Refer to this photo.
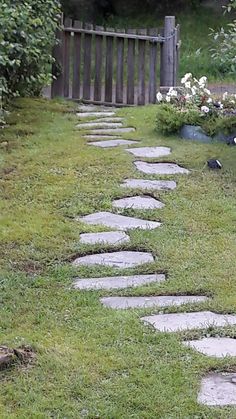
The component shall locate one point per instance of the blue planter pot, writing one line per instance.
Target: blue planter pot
(196, 133)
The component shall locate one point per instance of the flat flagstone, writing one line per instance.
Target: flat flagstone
(120, 260)
(184, 321)
(217, 347)
(119, 222)
(111, 143)
(117, 282)
(218, 389)
(110, 237)
(150, 151)
(91, 125)
(94, 114)
(113, 131)
(149, 185)
(138, 202)
(101, 137)
(94, 108)
(123, 303)
(160, 168)
(110, 119)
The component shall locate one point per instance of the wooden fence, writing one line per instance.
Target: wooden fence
(120, 67)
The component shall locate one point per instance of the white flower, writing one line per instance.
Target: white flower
(159, 97)
(225, 95)
(186, 78)
(207, 91)
(187, 85)
(221, 106)
(202, 81)
(187, 97)
(193, 90)
(209, 100)
(205, 109)
(168, 98)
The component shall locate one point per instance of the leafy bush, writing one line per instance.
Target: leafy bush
(170, 119)
(27, 34)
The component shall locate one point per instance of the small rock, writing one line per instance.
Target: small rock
(214, 164)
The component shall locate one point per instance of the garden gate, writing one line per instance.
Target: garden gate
(115, 67)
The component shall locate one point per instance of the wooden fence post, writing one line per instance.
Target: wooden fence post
(57, 67)
(169, 53)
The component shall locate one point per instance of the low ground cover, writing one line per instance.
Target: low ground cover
(92, 362)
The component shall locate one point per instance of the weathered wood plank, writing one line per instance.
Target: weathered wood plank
(169, 52)
(87, 63)
(66, 59)
(109, 67)
(98, 65)
(120, 69)
(76, 61)
(57, 67)
(131, 68)
(115, 35)
(152, 67)
(141, 68)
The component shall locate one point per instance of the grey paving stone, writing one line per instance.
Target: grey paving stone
(119, 222)
(160, 168)
(120, 260)
(94, 114)
(103, 125)
(149, 185)
(101, 137)
(216, 347)
(110, 237)
(123, 303)
(111, 143)
(138, 202)
(94, 108)
(110, 119)
(150, 151)
(184, 321)
(113, 131)
(218, 389)
(117, 282)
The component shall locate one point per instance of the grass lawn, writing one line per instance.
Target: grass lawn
(92, 362)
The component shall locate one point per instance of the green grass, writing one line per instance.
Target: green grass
(195, 55)
(92, 362)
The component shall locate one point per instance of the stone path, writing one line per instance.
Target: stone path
(105, 129)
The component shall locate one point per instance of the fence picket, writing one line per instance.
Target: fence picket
(152, 67)
(109, 67)
(77, 61)
(131, 68)
(66, 59)
(141, 68)
(87, 62)
(120, 68)
(98, 65)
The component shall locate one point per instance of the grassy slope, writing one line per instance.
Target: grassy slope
(196, 42)
(92, 362)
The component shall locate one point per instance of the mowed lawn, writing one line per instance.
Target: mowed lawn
(92, 362)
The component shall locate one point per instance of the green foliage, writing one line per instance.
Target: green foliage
(27, 33)
(222, 124)
(170, 119)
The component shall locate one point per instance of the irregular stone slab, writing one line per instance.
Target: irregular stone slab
(111, 119)
(117, 282)
(101, 137)
(113, 131)
(119, 260)
(91, 125)
(160, 168)
(138, 202)
(149, 185)
(94, 114)
(184, 321)
(111, 143)
(119, 222)
(110, 237)
(218, 389)
(123, 303)
(217, 347)
(94, 108)
(150, 151)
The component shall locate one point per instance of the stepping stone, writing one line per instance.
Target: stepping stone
(91, 125)
(94, 108)
(119, 260)
(217, 347)
(149, 185)
(94, 114)
(185, 321)
(117, 282)
(113, 131)
(110, 237)
(218, 389)
(111, 143)
(150, 151)
(119, 222)
(101, 137)
(138, 202)
(111, 119)
(160, 168)
(123, 303)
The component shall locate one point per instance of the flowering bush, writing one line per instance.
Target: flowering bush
(193, 104)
